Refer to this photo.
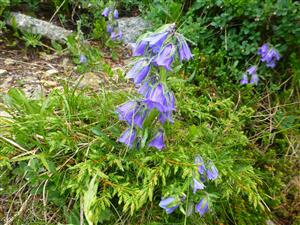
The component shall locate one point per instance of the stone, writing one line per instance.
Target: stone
(51, 72)
(3, 72)
(132, 28)
(40, 27)
(9, 61)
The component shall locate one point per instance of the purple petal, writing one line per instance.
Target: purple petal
(105, 12)
(244, 80)
(212, 173)
(197, 185)
(156, 41)
(252, 70)
(140, 48)
(254, 79)
(82, 59)
(201, 167)
(139, 71)
(158, 141)
(157, 99)
(165, 57)
(116, 14)
(263, 50)
(202, 207)
(183, 50)
(128, 137)
(167, 201)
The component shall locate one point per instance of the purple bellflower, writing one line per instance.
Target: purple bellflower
(133, 113)
(156, 41)
(212, 172)
(183, 50)
(252, 70)
(109, 28)
(158, 141)
(202, 207)
(128, 137)
(254, 79)
(116, 14)
(105, 12)
(201, 167)
(263, 50)
(166, 56)
(82, 59)
(164, 203)
(244, 79)
(139, 71)
(197, 185)
(157, 99)
(140, 48)
(268, 55)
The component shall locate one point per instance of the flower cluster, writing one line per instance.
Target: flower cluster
(204, 174)
(112, 25)
(269, 56)
(154, 56)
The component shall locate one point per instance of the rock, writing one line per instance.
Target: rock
(270, 222)
(132, 28)
(36, 26)
(3, 72)
(9, 61)
(51, 72)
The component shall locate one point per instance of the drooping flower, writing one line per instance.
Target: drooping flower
(109, 28)
(164, 203)
(158, 141)
(201, 167)
(139, 71)
(212, 172)
(156, 41)
(128, 137)
(197, 185)
(269, 55)
(166, 116)
(183, 49)
(120, 35)
(157, 99)
(140, 48)
(82, 59)
(106, 12)
(244, 79)
(202, 207)
(133, 113)
(254, 79)
(116, 14)
(252, 70)
(165, 57)
(263, 50)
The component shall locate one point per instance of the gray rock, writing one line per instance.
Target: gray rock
(132, 28)
(3, 72)
(36, 26)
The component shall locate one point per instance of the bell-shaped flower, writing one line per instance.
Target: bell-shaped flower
(116, 14)
(128, 137)
(106, 12)
(140, 48)
(157, 99)
(133, 113)
(166, 116)
(197, 185)
(145, 89)
(109, 28)
(202, 206)
(139, 71)
(165, 57)
(156, 41)
(183, 49)
(82, 59)
(244, 79)
(165, 204)
(263, 50)
(254, 79)
(212, 172)
(158, 141)
(200, 163)
(252, 70)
